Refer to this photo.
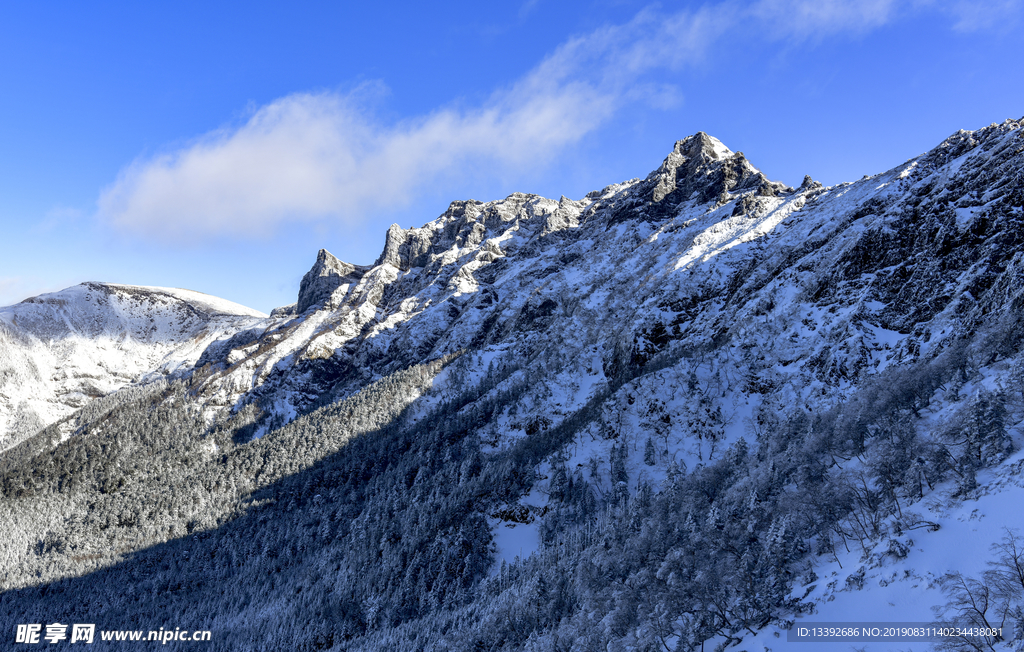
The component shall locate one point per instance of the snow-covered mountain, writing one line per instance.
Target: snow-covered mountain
(59, 351)
(798, 378)
(501, 273)
(703, 253)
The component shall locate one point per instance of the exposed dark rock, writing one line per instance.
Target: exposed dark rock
(327, 275)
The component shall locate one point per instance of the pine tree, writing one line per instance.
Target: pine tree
(986, 428)
(649, 452)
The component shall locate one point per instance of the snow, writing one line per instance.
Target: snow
(905, 590)
(206, 302)
(611, 283)
(721, 151)
(60, 350)
(513, 541)
(964, 216)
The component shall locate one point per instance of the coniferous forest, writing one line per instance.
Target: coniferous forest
(685, 399)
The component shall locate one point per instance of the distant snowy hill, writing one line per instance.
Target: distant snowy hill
(684, 409)
(60, 350)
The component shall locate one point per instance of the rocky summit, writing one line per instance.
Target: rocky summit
(688, 409)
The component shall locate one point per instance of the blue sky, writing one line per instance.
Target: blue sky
(218, 146)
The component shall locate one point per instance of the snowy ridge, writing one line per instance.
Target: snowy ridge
(59, 351)
(659, 252)
(204, 302)
(824, 286)
(667, 250)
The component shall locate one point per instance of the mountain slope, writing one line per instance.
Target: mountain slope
(59, 351)
(700, 247)
(641, 420)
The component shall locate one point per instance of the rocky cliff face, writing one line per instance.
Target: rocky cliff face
(326, 283)
(699, 168)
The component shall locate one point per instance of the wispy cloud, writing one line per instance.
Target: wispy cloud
(311, 156)
(976, 15)
(8, 289)
(527, 7)
(317, 156)
(59, 217)
(815, 19)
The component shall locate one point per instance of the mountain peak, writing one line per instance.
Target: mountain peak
(325, 257)
(701, 145)
(86, 296)
(327, 275)
(701, 169)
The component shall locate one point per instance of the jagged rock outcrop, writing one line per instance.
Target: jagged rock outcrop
(405, 249)
(684, 251)
(700, 169)
(692, 255)
(324, 279)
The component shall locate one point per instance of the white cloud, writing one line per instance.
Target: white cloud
(8, 289)
(527, 7)
(59, 217)
(319, 156)
(812, 19)
(314, 156)
(976, 15)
